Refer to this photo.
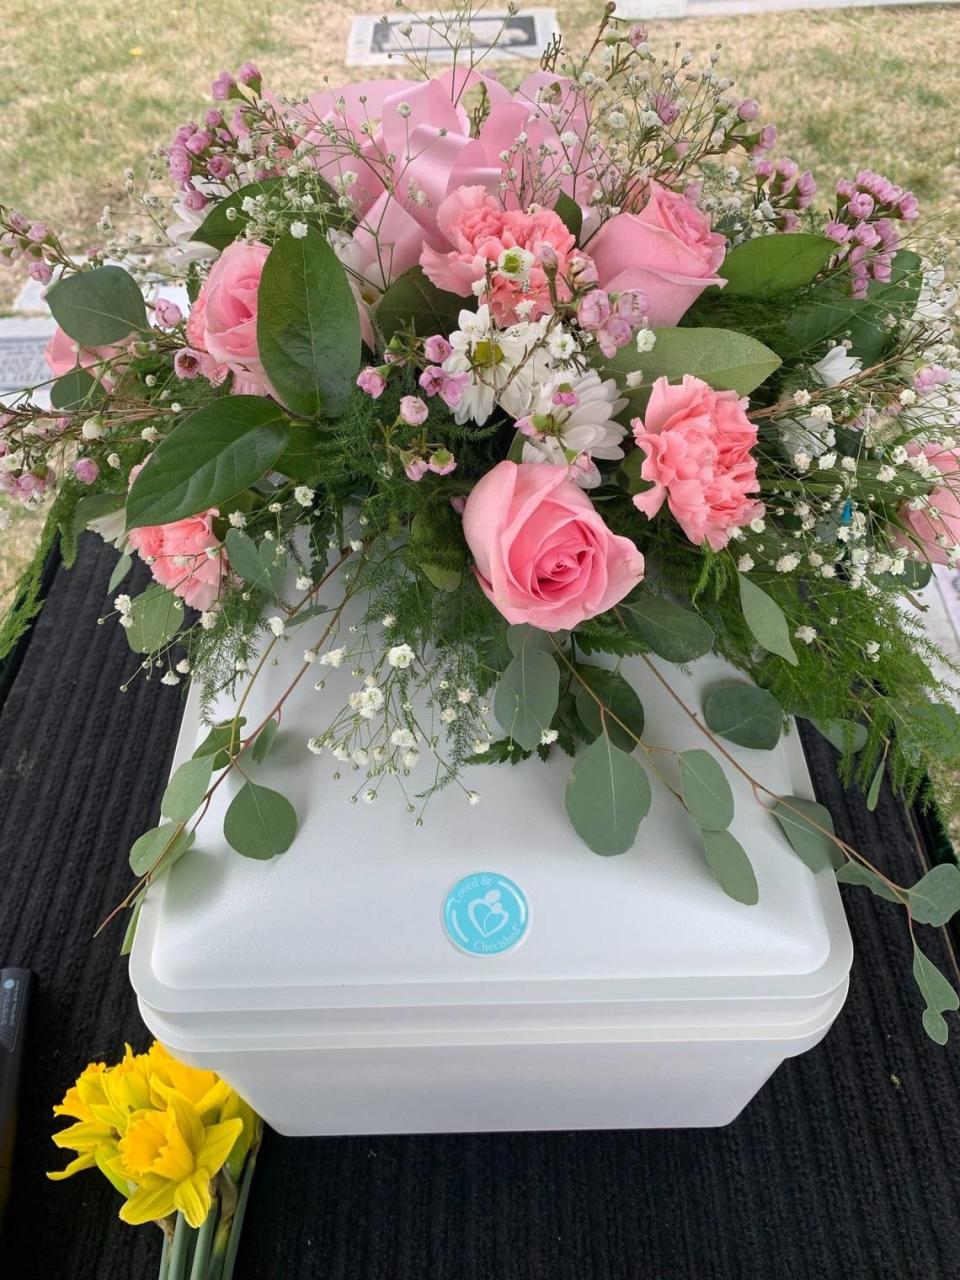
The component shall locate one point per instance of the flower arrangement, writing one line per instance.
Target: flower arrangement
(536, 377)
(177, 1143)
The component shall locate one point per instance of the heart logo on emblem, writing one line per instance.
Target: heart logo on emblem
(487, 914)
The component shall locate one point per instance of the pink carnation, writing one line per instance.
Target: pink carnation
(177, 554)
(481, 231)
(697, 443)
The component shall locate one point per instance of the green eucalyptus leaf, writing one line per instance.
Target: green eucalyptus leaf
(731, 867)
(207, 460)
(607, 797)
(705, 790)
(747, 715)
(521, 636)
(120, 571)
(938, 996)
(308, 325)
(677, 634)
(873, 794)
(723, 358)
(935, 898)
(222, 742)
(77, 389)
(766, 620)
(436, 546)
(527, 697)
(159, 848)
(796, 816)
(618, 697)
(126, 947)
(264, 741)
(262, 566)
(846, 735)
(414, 303)
(98, 308)
(770, 265)
(156, 616)
(94, 506)
(856, 873)
(227, 219)
(259, 822)
(186, 789)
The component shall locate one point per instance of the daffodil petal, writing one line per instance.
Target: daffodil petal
(81, 1162)
(111, 1166)
(192, 1198)
(84, 1136)
(148, 1204)
(218, 1144)
(188, 1122)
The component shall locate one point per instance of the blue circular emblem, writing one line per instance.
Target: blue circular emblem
(485, 914)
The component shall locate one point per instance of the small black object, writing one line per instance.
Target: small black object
(16, 989)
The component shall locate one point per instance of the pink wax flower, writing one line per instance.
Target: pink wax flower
(413, 410)
(86, 470)
(930, 376)
(223, 321)
(186, 363)
(414, 467)
(371, 383)
(40, 271)
(432, 379)
(441, 462)
(936, 525)
(542, 553)
(177, 554)
(451, 393)
(179, 162)
(518, 249)
(698, 443)
(748, 109)
(667, 251)
(593, 310)
(168, 314)
(223, 87)
(437, 348)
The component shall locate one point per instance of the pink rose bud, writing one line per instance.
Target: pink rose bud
(167, 313)
(86, 470)
(748, 109)
(593, 310)
(413, 410)
(548, 257)
(436, 349)
(442, 462)
(414, 467)
(371, 383)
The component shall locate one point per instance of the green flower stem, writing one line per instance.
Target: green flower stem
(180, 1251)
(164, 1258)
(204, 1243)
(233, 1240)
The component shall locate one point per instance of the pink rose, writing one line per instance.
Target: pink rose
(63, 354)
(667, 251)
(513, 247)
(543, 554)
(697, 443)
(177, 554)
(936, 533)
(223, 320)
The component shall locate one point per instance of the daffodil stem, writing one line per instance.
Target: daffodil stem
(243, 1195)
(164, 1258)
(201, 1254)
(177, 1264)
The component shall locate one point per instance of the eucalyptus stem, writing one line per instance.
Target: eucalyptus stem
(201, 1255)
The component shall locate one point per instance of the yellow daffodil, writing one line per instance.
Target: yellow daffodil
(171, 1155)
(90, 1134)
(204, 1089)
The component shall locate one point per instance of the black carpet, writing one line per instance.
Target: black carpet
(844, 1168)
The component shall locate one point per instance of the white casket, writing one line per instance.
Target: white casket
(486, 971)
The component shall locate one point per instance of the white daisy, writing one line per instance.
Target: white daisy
(565, 433)
(505, 365)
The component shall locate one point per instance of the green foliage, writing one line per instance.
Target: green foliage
(227, 219)
(721, 357)
(527, 696)
(770, 265)
(207, 460)
(414, 304)
(259, 822)
(749, 716)
(732, 869)
(617, 698)
(804, 822)
(75, 391)
(607, 797)
(222, 742)
(156, 617)
(262, 567)
(939, 996)
(308, 325)
(159, 848)
(705, 790)
(569, 213)
(98, 307)
(766, 620)
(187, 787)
